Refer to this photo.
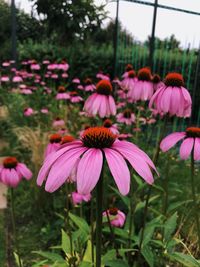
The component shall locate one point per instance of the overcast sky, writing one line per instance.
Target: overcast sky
(137, 19)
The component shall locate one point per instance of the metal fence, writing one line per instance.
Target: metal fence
(161, 59)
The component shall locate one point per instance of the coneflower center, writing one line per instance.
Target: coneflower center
(67, 139)
(107, 123)
(174, 79)
(113, 211)
(104, 87)
(129, 67)
(61, 89)
(74, 93)
(127, 113)
(10, 162)
(144, 74)
(55, 138)
(193, 132)
(156, 78)
(131, 74)
(88, 81)
(98, 137)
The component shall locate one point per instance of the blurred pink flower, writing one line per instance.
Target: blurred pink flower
(44, 110)
(5, 79)
(143, 88)
(117, 217)
(112, 127)
(190, 144)
(54, 144)
(28, 112)
(17, 79)
(101, 102)
(89, 86)
(58, 122)
(79, 198)
(86, 155)
(172, 98)
(127, 117)
(75, 98)
(12, 172)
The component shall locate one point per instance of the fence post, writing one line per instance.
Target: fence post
(116, 39)
(152, 39)
(13, 32)
(197, 72)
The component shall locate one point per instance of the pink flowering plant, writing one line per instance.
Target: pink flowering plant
(94, 180)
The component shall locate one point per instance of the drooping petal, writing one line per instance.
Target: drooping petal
(89, 170)
(52, 158)
(169, 141)
(186, 148)
(24, 171)
(138, 163)
(62, 168)
(197, 149)
(119, 170)
(112, 105)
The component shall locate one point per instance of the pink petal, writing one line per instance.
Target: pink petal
(53, 157)
(166, 98)
(119, 170)
(89, 170)
(169, 141)
(197, 149)
(62, 168)
(138, 163)
(186, 148)
(112, 105)
(24, 171)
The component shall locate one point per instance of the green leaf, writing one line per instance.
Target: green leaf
(80, 222)
(111, 254)
(88, 252)
(17, 259)
(141, 204)
(178, 204)
(170, 226)
(85, 264)
(65, 243)
(116, 263)
(51, 256)
(125, 199)
(148, 255)
(185, 260)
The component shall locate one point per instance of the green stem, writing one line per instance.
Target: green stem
(99, 209)
(166, 187)
(155, 161)
(92, 230)
(194, 197)
(14, 226)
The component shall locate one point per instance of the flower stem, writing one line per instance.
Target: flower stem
(155, 161)
(99, 209)
(14, 226)
(194, 197)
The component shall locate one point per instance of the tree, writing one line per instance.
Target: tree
(67, 20)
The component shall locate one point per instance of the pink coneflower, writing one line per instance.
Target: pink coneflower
(12, 172)
(157, 83)
(112, 127)
(5, 79)
(26, 91)
(127, 117)
(117, 218)
(190, 144)
(143, 88)
(147, 120)
(127, 69)
(67, 139)
(6, 64)
(35, 66)
(79, 198)
(86, 155)
(45, 62)
(62, 131)
(58, 122)
(28, 112)
(54, 76)
(64, 75)
(101, 102)
(44, 110)
(62, 95)
(63, 66)
(172, 98)
(17, 79)
(102, 76)
(128, 82)
(75, 98)
(76, 80)
(89, 86)
(124, 136)
(54, 144)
